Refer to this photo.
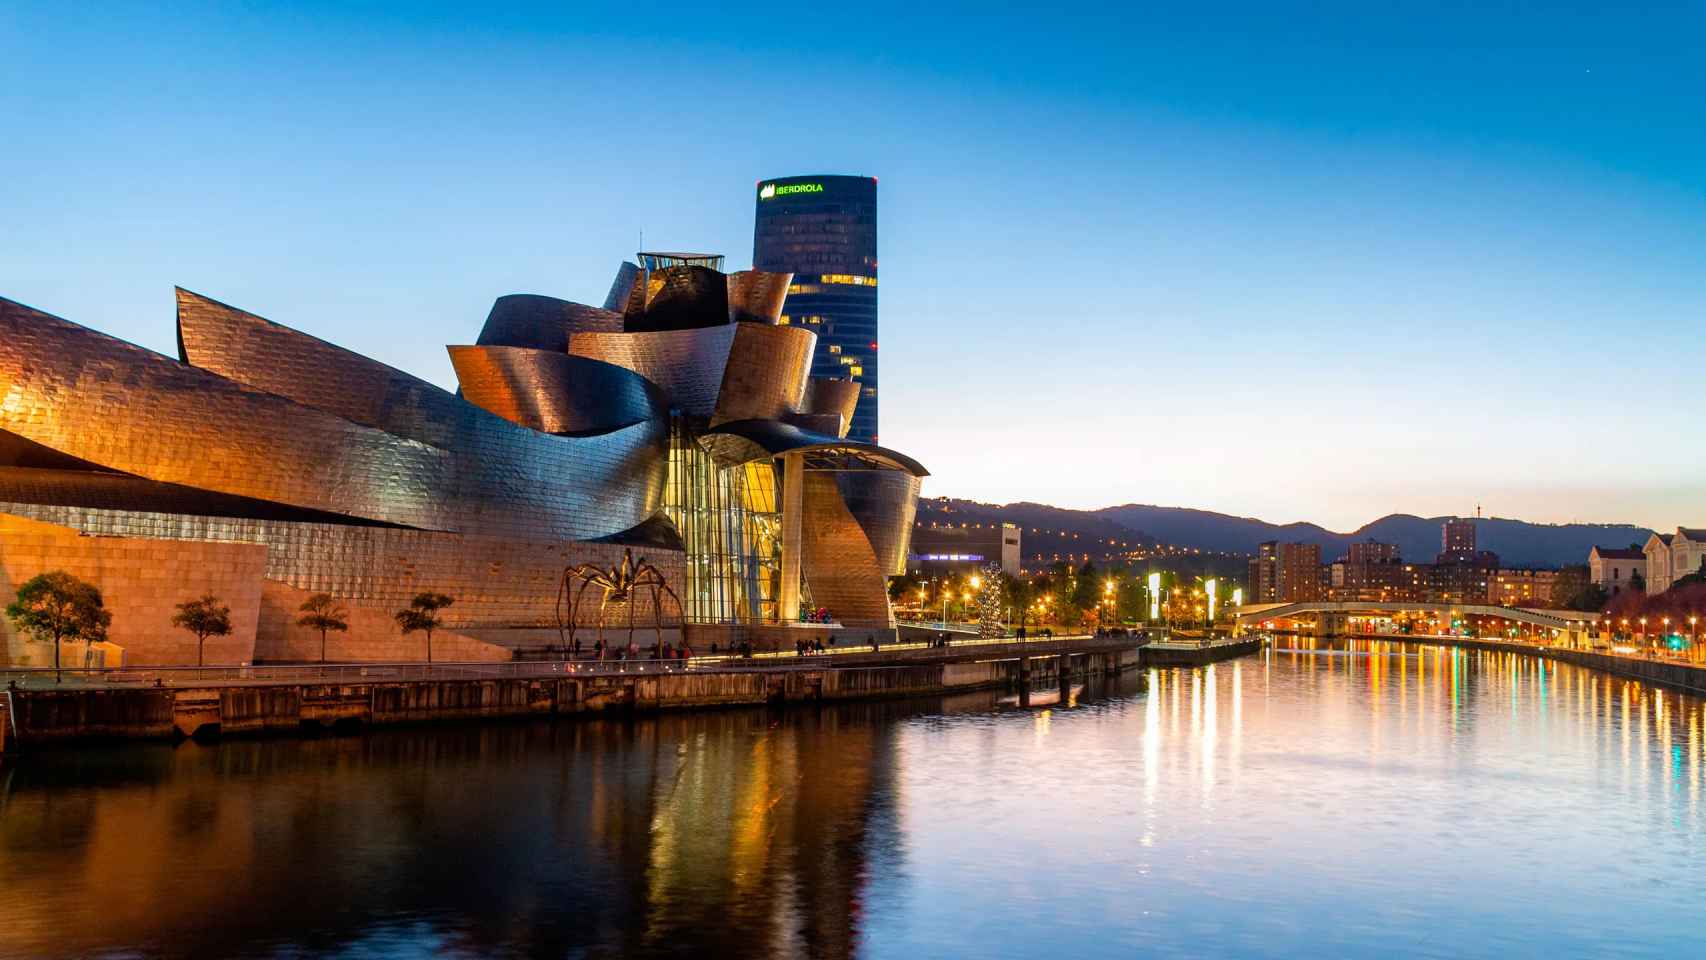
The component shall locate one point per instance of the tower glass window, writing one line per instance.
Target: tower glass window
(823, 229)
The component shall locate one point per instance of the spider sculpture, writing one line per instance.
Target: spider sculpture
(619, 584)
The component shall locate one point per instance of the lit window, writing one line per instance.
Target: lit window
(835, 348)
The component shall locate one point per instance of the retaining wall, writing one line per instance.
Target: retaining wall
(56, 716)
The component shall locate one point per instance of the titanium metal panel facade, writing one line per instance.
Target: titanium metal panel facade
(682, 298)
(885, 504)
(622, 288)
(765, 377)
(124, 408)
(838, 398)
(543, 323)
(823, 230)
(756, 296)
(555, 392)
(840, 568)
(686, 364)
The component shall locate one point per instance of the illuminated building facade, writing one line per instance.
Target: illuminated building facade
(1457, 540)
(823, 230)
(950, 548)
(1285, 572)
(679, 423)
(1614, 569)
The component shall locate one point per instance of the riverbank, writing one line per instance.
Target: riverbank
(1687, 677)
(277, 703)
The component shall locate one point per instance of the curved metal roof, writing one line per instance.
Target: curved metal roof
(742, 440)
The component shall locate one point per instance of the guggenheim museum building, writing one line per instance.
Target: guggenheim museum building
(675, 426)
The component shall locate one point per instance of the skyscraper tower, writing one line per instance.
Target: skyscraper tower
(823, 230)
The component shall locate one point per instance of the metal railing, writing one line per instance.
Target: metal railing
(1622, 649)
(172, 676)
(406, 671)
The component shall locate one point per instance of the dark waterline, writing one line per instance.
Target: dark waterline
(1352, 799)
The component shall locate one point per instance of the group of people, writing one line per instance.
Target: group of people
(602, 651)
(805, 648)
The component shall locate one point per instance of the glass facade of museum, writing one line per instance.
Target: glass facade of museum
(730, 520)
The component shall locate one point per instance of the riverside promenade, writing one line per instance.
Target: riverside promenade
(168, 702)
(1675, 673)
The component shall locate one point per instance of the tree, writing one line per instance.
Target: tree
(1589, 597)
(1637, 582)
(1086, 589)
(58, 607)
(205, 617)
(422, 614)
(320, 612)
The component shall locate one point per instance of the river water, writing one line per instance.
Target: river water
(1352, 799)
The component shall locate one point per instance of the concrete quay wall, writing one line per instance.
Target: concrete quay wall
(49, 716)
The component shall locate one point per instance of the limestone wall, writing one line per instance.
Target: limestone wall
(372, 634)
(141, 582)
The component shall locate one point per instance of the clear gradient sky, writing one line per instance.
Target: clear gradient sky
(1320, 264)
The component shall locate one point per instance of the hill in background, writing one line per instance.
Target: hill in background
(1118, 530)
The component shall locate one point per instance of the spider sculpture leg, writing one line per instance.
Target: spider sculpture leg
(574, 606)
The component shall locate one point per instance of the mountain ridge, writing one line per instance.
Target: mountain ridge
(1519, 543)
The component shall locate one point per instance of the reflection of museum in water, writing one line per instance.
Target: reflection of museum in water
(735, 831)
(677, 422)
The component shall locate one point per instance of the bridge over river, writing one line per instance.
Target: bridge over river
(1332, 616)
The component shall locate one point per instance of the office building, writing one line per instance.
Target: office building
(823, 230)
(1457, 540)
(949, 549)
(1285, 573)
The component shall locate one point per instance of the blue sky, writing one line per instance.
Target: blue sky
(1322, 263)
